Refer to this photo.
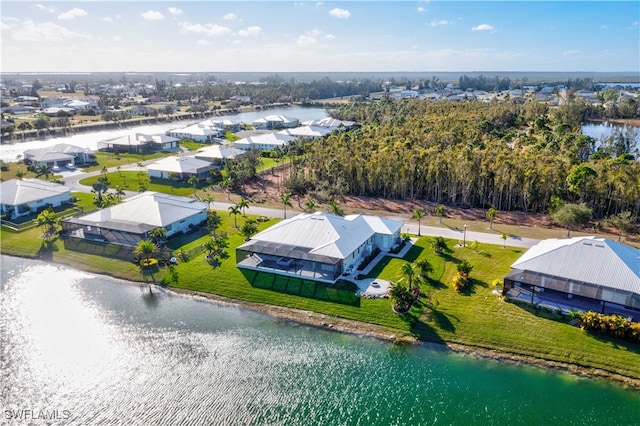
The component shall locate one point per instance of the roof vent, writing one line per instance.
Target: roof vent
(587, 243)
(600, 245)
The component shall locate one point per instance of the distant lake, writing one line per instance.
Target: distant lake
(106, 351)
(9, 152)
(600, 131)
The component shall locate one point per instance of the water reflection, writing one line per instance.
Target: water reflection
(110, 352)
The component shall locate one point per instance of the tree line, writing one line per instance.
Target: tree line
(500, 155)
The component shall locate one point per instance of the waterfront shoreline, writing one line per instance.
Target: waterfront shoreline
(343, 325)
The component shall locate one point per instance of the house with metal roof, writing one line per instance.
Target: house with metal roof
(307, 132)
(264, 142)
(271, 122)
(319, 246)
(130, 221)
(585, 273)
(181, 168)
(60, 155)
(140, 143)
(26, 196)
(216, 154)
(197, 132)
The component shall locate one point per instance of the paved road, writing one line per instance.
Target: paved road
(72, 179)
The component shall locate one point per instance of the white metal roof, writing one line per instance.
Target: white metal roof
(329, 122)
(587, 259)
(307, 131)
(323, 233)
(148, 208)
(270, 139)
(180, 165)
(15, 192)
(219, 152)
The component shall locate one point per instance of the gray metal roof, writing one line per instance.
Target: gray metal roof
(16, 192)
(597, 261)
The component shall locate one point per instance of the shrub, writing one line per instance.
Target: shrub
(460, 281)
(149, 263)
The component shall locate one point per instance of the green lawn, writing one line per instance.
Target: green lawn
(477, 318)
(110, 159)
(131, 181)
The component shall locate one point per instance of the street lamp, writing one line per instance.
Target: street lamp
(464, 237)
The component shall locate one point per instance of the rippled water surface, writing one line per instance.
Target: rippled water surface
(102, 351)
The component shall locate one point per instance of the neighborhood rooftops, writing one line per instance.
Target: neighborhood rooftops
(15, 192)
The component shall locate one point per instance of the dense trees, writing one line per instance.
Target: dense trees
(495, 155)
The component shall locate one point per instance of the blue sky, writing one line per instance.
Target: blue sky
(286, 36)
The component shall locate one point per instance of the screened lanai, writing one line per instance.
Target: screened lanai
(287, 259)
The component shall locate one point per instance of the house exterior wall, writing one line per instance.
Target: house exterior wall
(33, 206)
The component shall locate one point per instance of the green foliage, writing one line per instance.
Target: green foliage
(571, 215)
(613, 325)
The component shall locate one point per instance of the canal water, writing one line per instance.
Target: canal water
(88, 349)
(9, 152)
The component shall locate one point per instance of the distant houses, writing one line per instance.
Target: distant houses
(140, 143)
(129, 222)
(180, 168)
(273, 122)
(27, 196)
(217, 154)
(264, 142)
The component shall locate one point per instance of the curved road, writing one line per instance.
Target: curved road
(72, 180)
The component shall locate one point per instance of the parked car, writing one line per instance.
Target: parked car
(71, 166)
(55, 169)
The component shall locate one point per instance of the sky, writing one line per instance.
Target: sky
(311, 36)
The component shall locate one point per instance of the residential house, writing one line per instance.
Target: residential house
(585, 273)
(271, 122)
(320, 246)
(217, 154)
(140, 143)
(264, 142)
(331, 123)
(26, 196)
(307, 132)
(197, 132)
(129, 222)
(180, 168)
(60, 155)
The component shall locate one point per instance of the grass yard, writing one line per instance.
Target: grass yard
(110, 159)
(131, 181)
(477, 318)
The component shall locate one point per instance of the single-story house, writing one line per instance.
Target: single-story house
(197, 132)
(140, 143)
(216, 154)
(307, 132)
(179, 168)
(130, 221)
(60, 155)
(271, 122)
(226, 125)
(26, 196)
(330, 122)
(585, 273)
(319, 246)
(264, 142)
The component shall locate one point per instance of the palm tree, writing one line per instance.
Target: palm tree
(43, 169)
(438, 244)
(145, 248)
(418, 215)
(227, 184)
(335, 208)
(504, 240)
(401, 297)
(491, 214)
(242, 205)
(119, 193)
(49, 221)
(286, 201)
(425, 267)
(235, 211)
(249, 228)
(157, 234)
(310, 205)
(193, 180)
(440, 211)
(409, 272)
(213, 221)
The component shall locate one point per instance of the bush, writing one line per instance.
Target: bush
(612, 325)
(149, 263)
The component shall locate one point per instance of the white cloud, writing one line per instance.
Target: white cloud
(571, 52)
(202, 42)
(72, 14)
(420, 9)
(230, 17)
(43, 8)
(440, 23)
(305, 40)
(4, 26)
(116, 38)
(152, 15)
(175, 11)
(314, 32)
(483, 27)
(330, 37)
(46, 31)
(340, 13)
(635, 24)
(251, 31)
(207, 29)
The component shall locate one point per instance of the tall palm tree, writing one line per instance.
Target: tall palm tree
(242, 205)
(491, 214)
(286, 201)
(213, 221)
(157, 234)
(440, 211)
(335, 208)
(418, 215)
(235, 211)
(193, 180)
(227, 184)
(49, 221)
(409, 272)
